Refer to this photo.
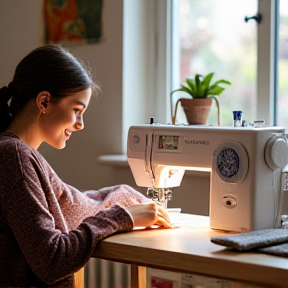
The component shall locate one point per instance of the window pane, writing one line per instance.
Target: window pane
(215, 38)
(282, 105)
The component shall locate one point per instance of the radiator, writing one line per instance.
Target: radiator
(106, 274)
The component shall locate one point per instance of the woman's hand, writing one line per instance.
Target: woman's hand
(148, 214)
(143, 210)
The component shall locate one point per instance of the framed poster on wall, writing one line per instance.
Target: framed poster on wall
(72, 21)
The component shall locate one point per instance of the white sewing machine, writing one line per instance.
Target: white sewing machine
(246, 164)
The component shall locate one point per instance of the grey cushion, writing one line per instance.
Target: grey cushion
(253, 239)
(278, 250)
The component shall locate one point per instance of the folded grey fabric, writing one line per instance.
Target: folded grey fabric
(253, 239)
(278, 250)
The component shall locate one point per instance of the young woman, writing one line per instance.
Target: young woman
(49, 229)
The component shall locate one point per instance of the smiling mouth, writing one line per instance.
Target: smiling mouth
(67, 133)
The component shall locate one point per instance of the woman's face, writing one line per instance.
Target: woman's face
(63, 118)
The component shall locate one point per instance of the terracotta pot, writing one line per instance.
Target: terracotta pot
(196, 110)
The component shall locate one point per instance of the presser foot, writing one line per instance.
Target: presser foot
(161, 195)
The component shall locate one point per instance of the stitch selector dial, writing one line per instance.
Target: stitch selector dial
(230, 161)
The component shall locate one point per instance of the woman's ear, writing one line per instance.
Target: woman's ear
(42, 101)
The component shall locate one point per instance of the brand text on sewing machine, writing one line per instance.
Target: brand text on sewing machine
(197, 142)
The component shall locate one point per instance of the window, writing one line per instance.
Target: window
(212, 36)
(282, 101)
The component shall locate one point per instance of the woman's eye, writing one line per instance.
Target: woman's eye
(76, 110)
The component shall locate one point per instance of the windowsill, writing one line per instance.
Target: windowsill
(114, 160)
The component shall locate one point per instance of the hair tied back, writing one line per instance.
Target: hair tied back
(6, 93)
(5, 116)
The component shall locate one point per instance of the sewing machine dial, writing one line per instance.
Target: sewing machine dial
(230, 161)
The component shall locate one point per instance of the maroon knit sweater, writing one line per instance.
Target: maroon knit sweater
(48, 229)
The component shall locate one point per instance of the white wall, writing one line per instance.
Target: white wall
(21, 30)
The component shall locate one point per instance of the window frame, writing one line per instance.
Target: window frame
(147, 73)
(267, 59)
(146, 63)
(267, 64)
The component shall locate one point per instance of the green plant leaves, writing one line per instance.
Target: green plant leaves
(191, 85)
(186, 89)
(200, 87)
(206, 83)
(198, 84)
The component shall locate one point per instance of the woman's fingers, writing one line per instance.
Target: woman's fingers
(164, 219)
(163, 223)
(161, 211)
(150, 214)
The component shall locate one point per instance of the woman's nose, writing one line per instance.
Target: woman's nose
(79, 125)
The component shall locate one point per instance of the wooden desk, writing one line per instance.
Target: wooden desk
(188, 250)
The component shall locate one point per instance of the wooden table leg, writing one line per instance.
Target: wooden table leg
(79, 278)
(138, 276)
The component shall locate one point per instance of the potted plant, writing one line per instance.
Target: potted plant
(201, 93)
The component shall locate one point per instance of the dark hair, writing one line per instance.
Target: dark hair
(49, 68)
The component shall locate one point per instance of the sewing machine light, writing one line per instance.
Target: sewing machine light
(199, 169)
(168, 176)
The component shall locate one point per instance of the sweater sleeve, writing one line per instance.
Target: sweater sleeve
(50, 253)
(122, 195)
